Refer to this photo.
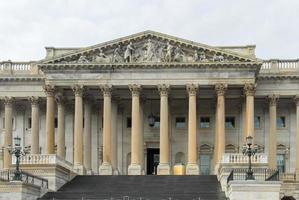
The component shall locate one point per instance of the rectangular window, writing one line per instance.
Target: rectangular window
(230, 122)
(281, 162)
(29, 123)
(257, 122)
(129, 122)
(281, 122)
(157, 122)
(180, 122)
(205, 122)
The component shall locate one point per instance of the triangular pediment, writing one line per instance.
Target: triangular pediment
(149, 47)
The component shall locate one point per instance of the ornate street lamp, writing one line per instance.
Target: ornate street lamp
(18, 152)
(249, 151)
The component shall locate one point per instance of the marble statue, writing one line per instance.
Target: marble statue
(178, 54)
(83, 59)
(128, 57)
(101, 57)
(217, 58)
(117, 55)
(169, 50)
(202, 57)
(195, 56)
(149, 50)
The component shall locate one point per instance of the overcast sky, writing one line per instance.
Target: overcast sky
(27, 26)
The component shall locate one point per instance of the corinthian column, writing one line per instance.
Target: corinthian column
(34, 125)
(78, 130)
(8, 131)
(192, 166)
(106, 168)
(61, 126)
(296, 99)
(135, 166)
(163, 167)
(220, 89)
(249, 90)
(272, 132)
(50, 134)
(87, 135)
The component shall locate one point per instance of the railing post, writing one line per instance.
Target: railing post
(7, 67)
(274, 66)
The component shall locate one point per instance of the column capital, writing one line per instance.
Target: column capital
(34, 100)
(249, 89)
(49, 90)
(8, 100)
(220, 89)
(135, 89)
(78, 90)
(296, 99)
(106, 90)
(163, 89)
(273, 99)
(192, 89)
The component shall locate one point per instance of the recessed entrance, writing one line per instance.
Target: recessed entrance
(153, 157)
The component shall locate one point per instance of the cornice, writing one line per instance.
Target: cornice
(21, 78)
(278, 77)
(149, 65)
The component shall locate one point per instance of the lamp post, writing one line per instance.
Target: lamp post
(18, 152)
(249, 151)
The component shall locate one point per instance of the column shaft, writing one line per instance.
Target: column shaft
(34, 125)
(164, 168)
(272, 158)
(135, 167)
(78, 129)
(249, 90)
(50, 134)
(296, 99)
(106, 168)
(220, 124)
(87, 136)
(114, 137)
(8, 131)
(61, 127)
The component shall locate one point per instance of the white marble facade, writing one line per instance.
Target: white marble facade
(149, 59)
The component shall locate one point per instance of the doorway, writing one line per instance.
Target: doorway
(153, 158)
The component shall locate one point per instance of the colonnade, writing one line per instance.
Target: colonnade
(82, 142)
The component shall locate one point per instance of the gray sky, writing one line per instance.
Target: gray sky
(27, 26)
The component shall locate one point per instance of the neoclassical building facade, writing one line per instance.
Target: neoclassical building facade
(145, 103)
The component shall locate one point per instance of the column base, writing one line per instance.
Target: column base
(79, 169)
(89, 172)
(163, 169)
(297, 175)
(115, 172)
(105, 169)
(192, 169)
(134, 169)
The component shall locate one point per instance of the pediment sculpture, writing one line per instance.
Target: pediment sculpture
(148, 50)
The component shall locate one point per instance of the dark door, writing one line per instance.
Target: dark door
(153, 157)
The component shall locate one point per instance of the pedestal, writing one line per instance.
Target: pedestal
(163, 169)
(79, 169)
(105, 169)
(192, 169)
(134, 169)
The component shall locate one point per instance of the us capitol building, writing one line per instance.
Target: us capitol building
(148, 104)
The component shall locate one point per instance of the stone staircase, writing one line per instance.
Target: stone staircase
(139, 188)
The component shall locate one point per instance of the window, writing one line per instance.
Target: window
(229, 122)
(281, 162)
(157, 122)
(129, 122)
(204, 163)
(55, 122)
(180, 122)
(29, 122)
(205, 122)
(257, 122)
(281, 122)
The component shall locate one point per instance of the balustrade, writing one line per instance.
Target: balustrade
(238, 158)
(276, 66)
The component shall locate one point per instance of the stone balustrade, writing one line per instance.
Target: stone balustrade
(9, 67)
(277, 66)
(238, 158)
(43, 159)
